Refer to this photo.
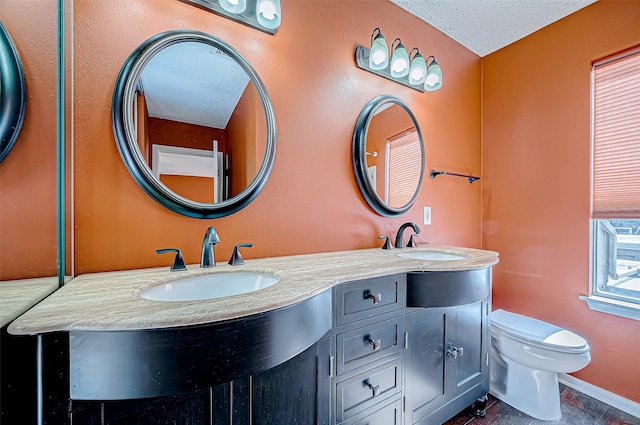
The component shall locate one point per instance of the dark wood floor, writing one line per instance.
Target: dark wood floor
(577, 409)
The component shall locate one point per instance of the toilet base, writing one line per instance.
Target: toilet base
(533, 392)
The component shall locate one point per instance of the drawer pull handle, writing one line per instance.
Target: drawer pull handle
(374, 390)
(455, 352)
(375, 343)
(377, 298)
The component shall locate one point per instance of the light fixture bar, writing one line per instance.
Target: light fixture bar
(247, 17)
(362, 61)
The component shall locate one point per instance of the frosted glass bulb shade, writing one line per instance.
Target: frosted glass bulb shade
(399, 62)
(268, 13)
(234, 6)
(379, 53)
(418, 70)
(434, 77)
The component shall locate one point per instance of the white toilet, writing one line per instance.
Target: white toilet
(526, 356)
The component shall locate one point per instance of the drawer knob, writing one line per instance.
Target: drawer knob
(374, 390)
(377, 298)
(455, 352)
(375, 343)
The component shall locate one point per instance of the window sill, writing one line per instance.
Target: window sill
(612, 306)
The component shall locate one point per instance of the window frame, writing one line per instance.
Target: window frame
(604, 298)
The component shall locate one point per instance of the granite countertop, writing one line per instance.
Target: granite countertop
(18, 296)
(111, 301)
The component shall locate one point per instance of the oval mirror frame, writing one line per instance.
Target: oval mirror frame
(124, 128)
(359, 155)
(13, 93)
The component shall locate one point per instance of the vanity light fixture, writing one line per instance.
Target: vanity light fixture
(399, 60)
(268, 13)
(264, 15)
(434, 75)
(418, 69)
(379, 52)
(410, 71)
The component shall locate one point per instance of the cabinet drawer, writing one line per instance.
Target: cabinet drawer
(367, 389)
(360, 346)
(365, 298)
(390, 414)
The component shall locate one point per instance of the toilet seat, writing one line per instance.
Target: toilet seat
(537, 333)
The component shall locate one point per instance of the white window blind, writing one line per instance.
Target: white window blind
(616, 136)
(405, 165)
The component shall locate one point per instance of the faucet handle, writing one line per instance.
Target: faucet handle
(178, 261)
(236, 259)
(412, 241)
(386, 245)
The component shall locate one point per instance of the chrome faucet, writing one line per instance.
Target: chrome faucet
(211, 239)
(400, 235)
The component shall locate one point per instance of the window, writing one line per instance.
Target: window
(615, 185)
(404, 168)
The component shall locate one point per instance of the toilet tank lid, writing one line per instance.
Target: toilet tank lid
(536, 330)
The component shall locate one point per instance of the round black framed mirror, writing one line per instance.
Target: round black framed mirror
(388, 155)
(194, 124)
(13, 93)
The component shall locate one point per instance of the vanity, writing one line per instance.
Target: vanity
(364, 336)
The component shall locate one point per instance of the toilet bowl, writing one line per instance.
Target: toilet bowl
(526, 356)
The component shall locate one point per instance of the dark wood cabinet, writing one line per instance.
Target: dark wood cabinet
(425, 363)
(447, 362)
(386, 359)
(295, 392)
(18, 378)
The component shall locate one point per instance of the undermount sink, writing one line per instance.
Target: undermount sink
(432, 255)
(215, 285)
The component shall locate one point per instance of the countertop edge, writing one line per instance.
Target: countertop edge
(88, 304)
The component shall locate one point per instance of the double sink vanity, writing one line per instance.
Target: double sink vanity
(365, 336)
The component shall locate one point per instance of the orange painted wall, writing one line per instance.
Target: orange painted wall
(184, 135)
(28, 246)
(311, 202)
(536, 165)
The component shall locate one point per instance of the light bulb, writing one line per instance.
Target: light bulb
(234, 6)
(268, 13)
(399, 60)
(418, 69)
(379, 53)
(432, 80)
(434, 76)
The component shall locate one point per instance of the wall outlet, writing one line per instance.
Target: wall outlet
(427, 215)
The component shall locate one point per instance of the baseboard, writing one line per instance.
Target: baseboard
(620, 403)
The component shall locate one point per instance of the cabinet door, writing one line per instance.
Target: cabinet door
(295, 392)
(425, 363)
(18, 379)
(467, 334)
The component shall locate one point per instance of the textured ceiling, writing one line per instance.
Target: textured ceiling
(193, 83)
(484, 26)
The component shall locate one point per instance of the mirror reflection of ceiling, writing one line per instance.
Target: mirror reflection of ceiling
(178, 85)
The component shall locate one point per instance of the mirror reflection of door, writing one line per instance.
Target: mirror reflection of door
(393, 148)
(201, 126)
